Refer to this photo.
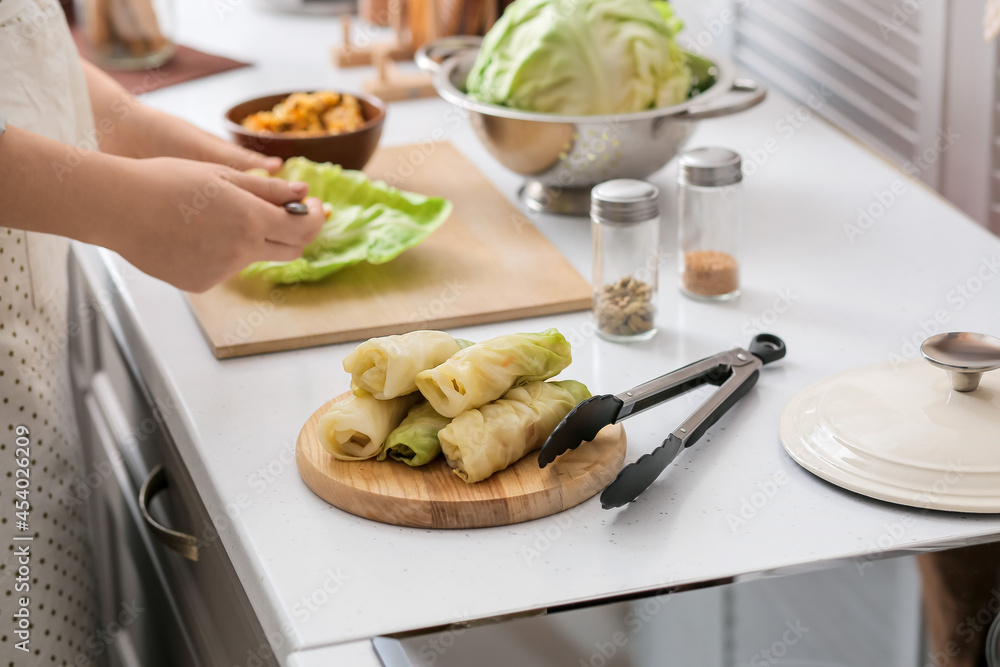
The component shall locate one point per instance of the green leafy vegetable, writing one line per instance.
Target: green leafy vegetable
(582, 57)
(415, 440)
(369, 222)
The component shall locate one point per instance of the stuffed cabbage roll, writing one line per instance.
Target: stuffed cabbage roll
(481, 442)
(355, 429)
(485, 371)
(386, 367)
(415, 440)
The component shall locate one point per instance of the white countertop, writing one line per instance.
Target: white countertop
(850, 303)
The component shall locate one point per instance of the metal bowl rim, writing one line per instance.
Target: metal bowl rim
(447, 90)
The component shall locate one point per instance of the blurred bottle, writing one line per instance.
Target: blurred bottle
(374, 12)
(129, 34)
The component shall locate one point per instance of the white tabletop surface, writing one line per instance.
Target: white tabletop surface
(850, 301)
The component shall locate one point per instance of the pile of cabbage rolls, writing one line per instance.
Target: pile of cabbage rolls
(484, 405)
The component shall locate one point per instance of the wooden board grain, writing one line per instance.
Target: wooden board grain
(432, 496)
(486, 263)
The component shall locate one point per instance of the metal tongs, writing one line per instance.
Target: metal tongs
(735, 372)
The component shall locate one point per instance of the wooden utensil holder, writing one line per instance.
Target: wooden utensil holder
(413, 23)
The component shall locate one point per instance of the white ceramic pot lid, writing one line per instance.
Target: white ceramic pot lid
(900, 432)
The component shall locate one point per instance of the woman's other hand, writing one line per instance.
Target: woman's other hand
(169, 136)
(128, 128)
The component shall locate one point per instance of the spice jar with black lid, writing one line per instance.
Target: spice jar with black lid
(626, 233)
(709, 222)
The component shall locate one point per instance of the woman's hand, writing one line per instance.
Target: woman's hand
(169, 136)
(194, 224)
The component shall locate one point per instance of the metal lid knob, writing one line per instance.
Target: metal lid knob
(710, 167)
(966, 356)
(624, 200)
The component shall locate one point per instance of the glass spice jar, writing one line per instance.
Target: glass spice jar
(710, 222)
(626, 234)
(129, 34)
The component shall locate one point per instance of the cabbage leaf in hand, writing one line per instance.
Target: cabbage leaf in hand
(582, 57)
(369, 222)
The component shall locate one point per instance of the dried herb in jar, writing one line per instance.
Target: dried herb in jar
(625, 307)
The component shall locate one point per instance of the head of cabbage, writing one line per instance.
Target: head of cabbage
(582, 57)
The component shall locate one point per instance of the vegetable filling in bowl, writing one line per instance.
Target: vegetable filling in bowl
(323, 112)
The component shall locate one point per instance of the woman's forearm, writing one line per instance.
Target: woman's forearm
(189, 223)
(47, 186)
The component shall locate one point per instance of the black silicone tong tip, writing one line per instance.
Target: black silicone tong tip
(582, 424)
(636, 477)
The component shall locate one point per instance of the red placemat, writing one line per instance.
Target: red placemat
(187, 64)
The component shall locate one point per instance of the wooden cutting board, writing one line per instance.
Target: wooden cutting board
(486, 263)
(432, 496)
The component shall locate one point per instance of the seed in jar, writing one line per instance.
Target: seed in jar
(625, 307)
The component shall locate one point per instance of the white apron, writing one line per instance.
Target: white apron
(42, 89)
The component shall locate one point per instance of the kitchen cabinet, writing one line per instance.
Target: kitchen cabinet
(317, 584)
(182, 610)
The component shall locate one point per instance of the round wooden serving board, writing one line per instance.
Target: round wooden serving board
(432, 496)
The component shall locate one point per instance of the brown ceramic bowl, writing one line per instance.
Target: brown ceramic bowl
(351, 150)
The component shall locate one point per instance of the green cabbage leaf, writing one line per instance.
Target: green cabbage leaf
(369, 222)
(582, 57)
(415, 441)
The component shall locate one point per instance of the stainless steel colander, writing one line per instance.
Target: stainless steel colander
(563, 157)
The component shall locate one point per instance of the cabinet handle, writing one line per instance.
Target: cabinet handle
(184, 544)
